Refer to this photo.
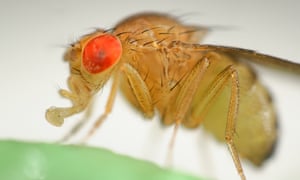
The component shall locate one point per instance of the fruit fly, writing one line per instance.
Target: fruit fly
(159, 65)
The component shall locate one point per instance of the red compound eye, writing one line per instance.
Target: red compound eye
(100, 53)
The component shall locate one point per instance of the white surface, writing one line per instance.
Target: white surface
(34, 34)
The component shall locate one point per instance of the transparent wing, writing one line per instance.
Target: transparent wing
(253, 56)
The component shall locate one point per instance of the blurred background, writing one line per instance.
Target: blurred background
(34, 35)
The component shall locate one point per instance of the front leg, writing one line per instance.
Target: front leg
(140, 89)
(107, 111)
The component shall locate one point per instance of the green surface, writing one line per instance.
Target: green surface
(40, 161)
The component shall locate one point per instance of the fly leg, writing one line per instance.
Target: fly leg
(141, 93)
(140, 90)
(108, 108)
(189, 86)
(228, 75)
(231, 120)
